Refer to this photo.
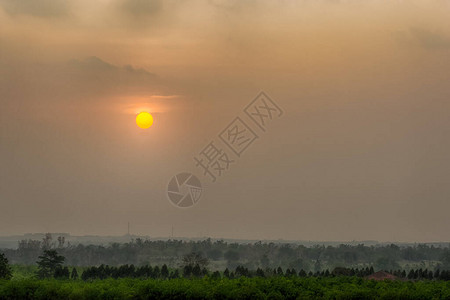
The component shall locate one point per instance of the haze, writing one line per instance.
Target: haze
(361, 152)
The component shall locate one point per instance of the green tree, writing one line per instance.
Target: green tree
(175, 274)
(196, 271)
(260, 272)
(62, 273)
(341, 271)
(226, 273)
(187, 271)
(193, 259)
(74, 274)
(48, 263)
(164, 271)
(156, 272)
(5, 269)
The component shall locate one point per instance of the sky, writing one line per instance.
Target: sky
(359, 153)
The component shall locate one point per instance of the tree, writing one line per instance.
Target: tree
(175, 274)
(48, 263)
(156, 272)
(74, 274)
(260, 272)
(214, 254)
(299, 263)
(164, 271)
(341, 271)
(61, 241)
(386, 263)
(187, 271)
(241, 271)
(193, 259)
(265, 261)
(317, 266)
(445, 258)
(47, 241)
(215, 275)
(196, 271)
(5, 269)
(62, 273)
(231, 255)
(226, 273)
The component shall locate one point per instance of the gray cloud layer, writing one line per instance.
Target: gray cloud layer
(430, 39)
(39, 8)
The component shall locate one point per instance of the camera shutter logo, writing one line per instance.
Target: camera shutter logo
(184, 190)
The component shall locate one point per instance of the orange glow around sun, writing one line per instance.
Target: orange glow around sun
(144, 120)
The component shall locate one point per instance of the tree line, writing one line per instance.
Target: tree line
(146, 272)
(51, 265)
(251, 255)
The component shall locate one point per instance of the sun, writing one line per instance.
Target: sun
(144, 120)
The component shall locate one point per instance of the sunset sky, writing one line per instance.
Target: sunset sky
(360, 153)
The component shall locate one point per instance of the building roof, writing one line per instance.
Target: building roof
(381, 275)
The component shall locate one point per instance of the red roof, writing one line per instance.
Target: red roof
(381, 275)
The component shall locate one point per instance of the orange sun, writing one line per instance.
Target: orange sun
(144, 120)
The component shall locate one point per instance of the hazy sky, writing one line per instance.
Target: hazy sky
(360, 153)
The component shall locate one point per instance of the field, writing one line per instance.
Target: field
(241, 288)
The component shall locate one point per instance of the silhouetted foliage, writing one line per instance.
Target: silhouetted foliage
(193, 259)
(164, 271)
(50, 264)
(62, 273)
(5, 268)
(74, 274)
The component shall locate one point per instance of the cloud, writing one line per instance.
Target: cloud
(95, 65)
(141, 15)
(234, 4)
(140, 8)
(37, 8)
(430, 39)
(78, 80)
(95, 74)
